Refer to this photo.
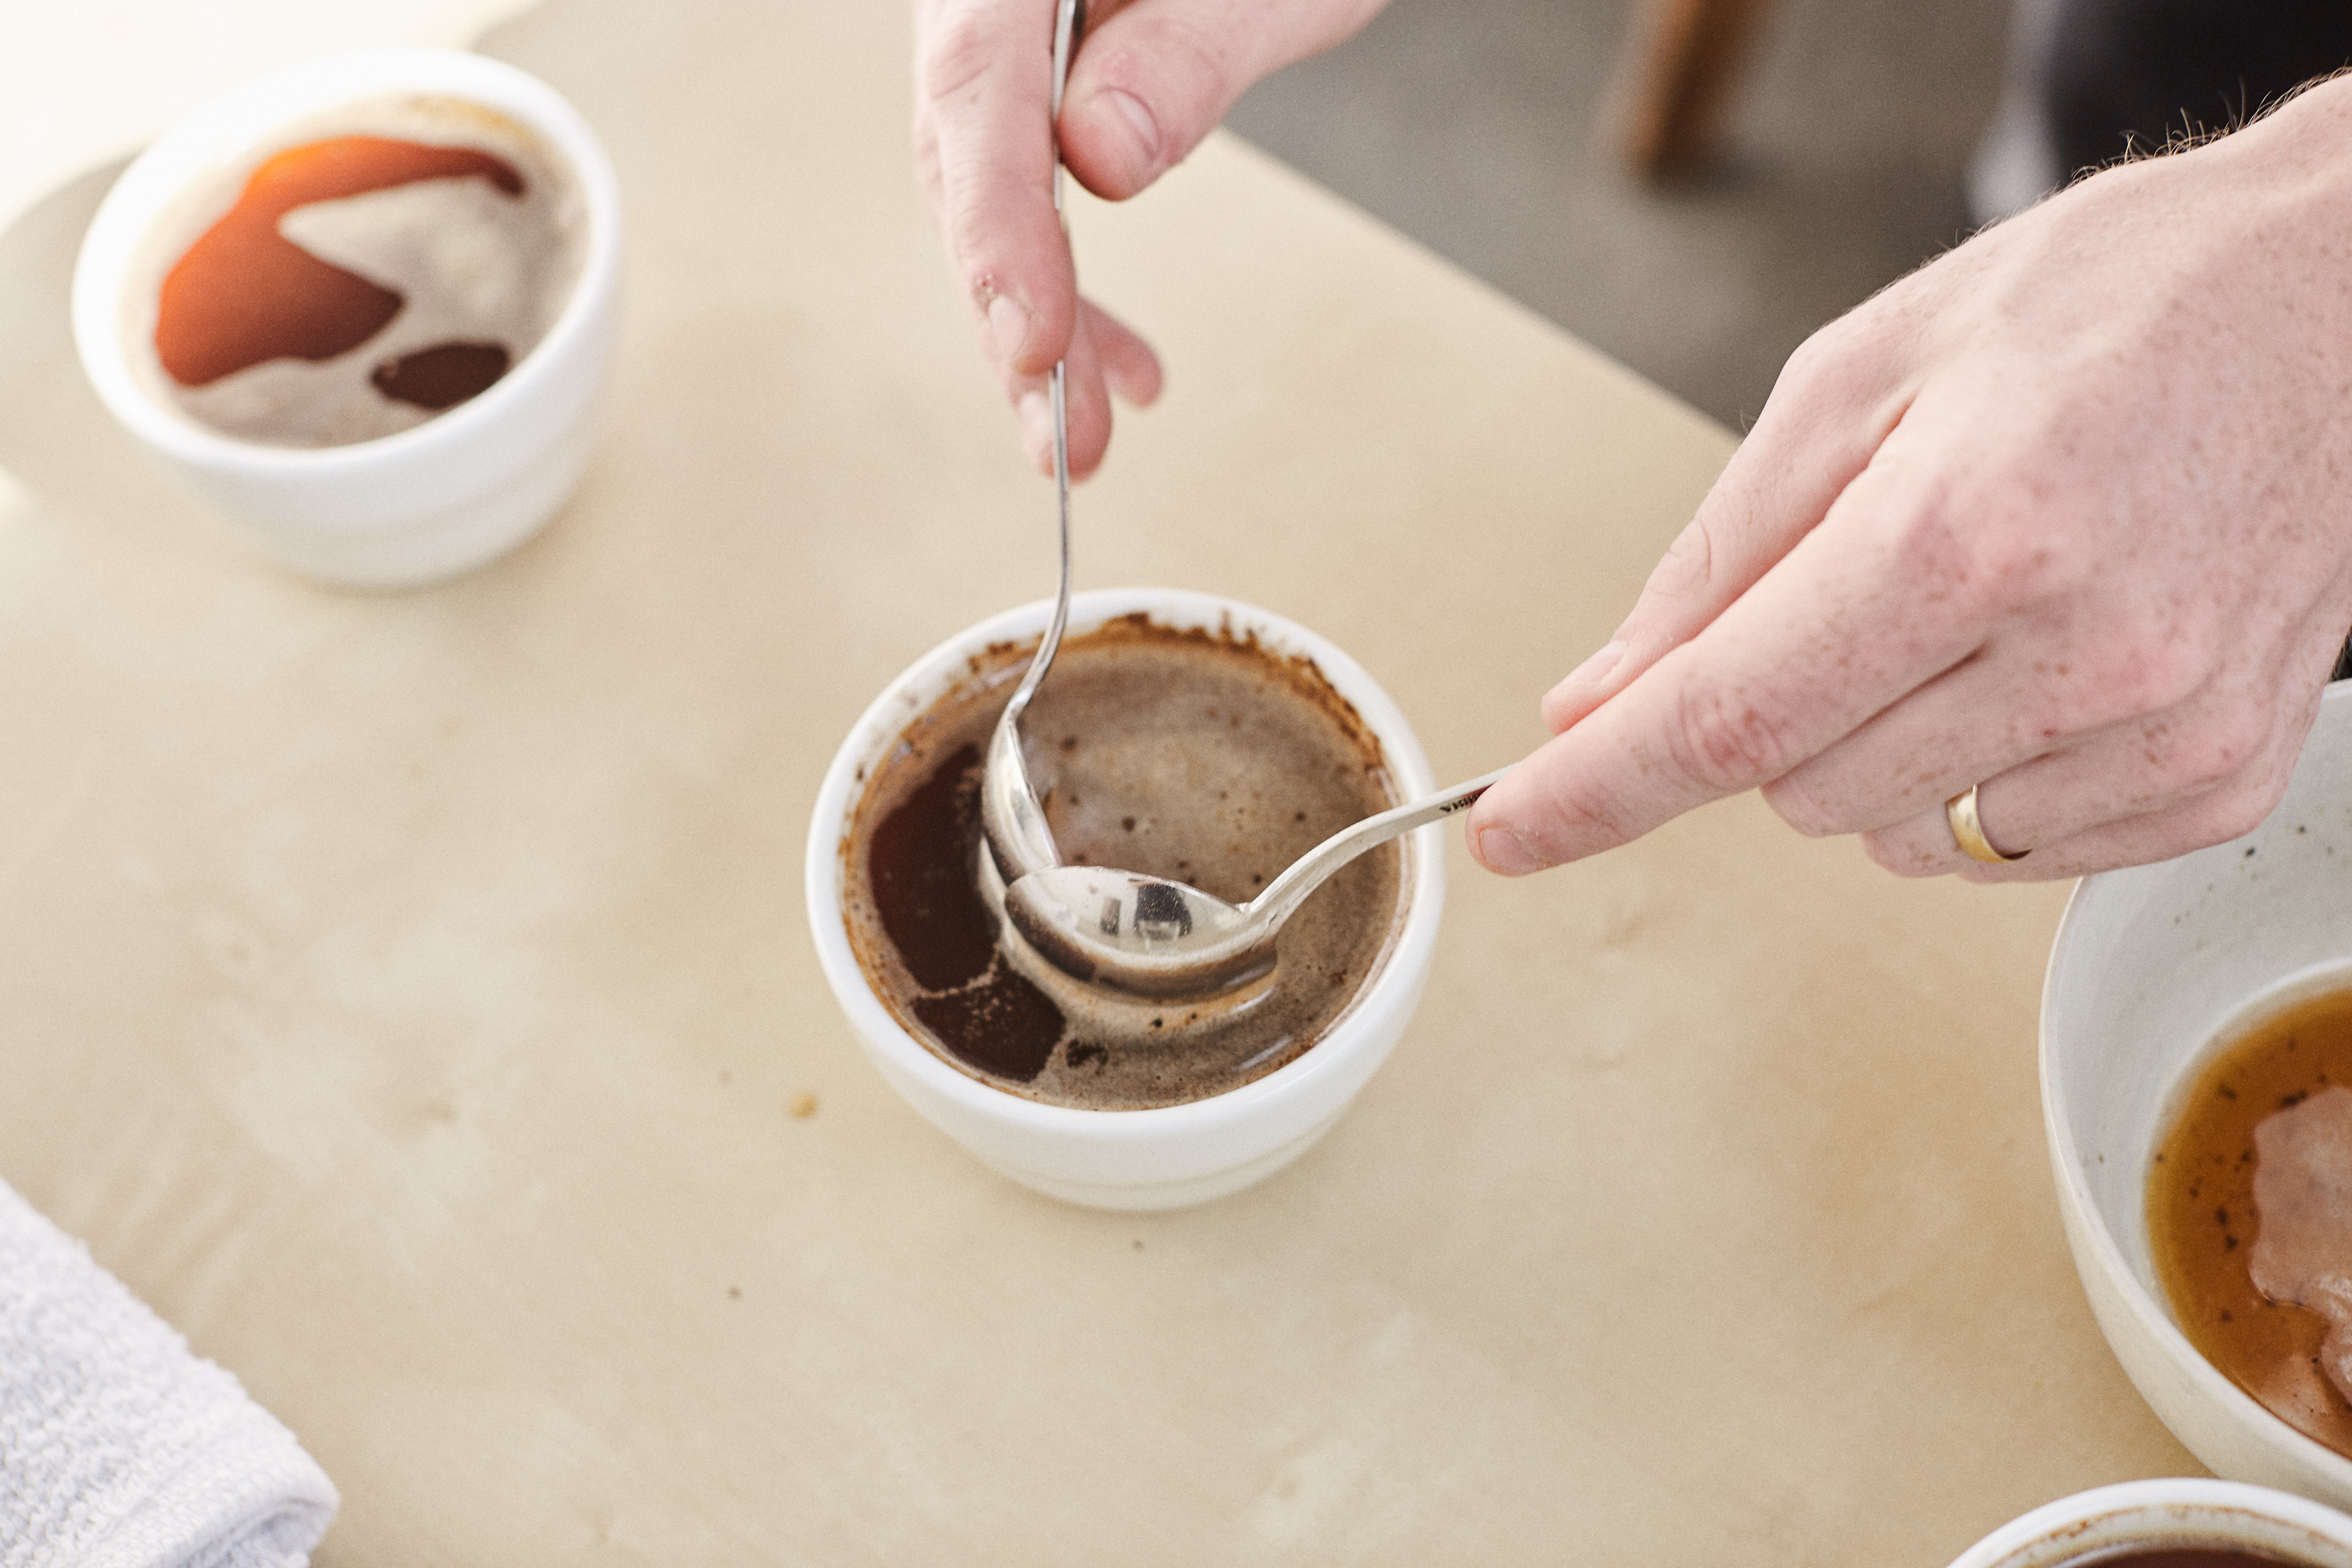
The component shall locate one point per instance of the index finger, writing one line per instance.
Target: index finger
(983, 90)
(1883, 596)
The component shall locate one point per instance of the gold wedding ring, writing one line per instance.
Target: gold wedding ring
(1967, 827)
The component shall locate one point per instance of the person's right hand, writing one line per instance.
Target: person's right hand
(2061, 521)
(1150, 79)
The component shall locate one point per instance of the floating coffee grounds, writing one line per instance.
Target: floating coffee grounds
(2247, 1191)
(388, 262)
(1192, 755)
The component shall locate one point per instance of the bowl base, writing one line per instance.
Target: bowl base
(1189, 1192)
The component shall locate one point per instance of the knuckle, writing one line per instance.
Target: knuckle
(2217, 752)
(1799, 805)
(1818, 362)
(2237, 809)
(967, 228)
(1831, 347)
(2153, 672)
(1686, 566)
(2012, 557)
(1811, 357)
(1930, 549)
(2102, 672)
(1571, 821)
(957, 50)
(1183, 55)
(1725, 741)
(1890, 851)
(1845, 364)
(2132, 672)
(927, 161)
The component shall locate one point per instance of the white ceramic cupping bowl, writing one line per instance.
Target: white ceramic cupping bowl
(428, 502)
(2154, 967)
(1174, 1156)
(2168, 1513)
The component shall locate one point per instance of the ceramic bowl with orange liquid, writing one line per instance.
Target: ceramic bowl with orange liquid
(365, 306)
(2157, 971)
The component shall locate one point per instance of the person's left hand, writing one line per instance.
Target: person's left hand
(1151, 77)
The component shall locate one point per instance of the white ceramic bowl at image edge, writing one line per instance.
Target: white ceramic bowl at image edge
(2153, 967)
(1169, 1156)
(428, 502)
(2175, 1512)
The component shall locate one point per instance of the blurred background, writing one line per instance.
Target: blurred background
(1489, 132)
(1694, 186)
(1832, 157)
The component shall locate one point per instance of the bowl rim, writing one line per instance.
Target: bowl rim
(1395, 984)
(222, 130)
(2086, 903)
(2205, 1494)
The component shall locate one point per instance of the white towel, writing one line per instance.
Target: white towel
(117, 1448)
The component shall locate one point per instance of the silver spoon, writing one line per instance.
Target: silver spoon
(1157, 937)
(1133, 932)
(1009, 813)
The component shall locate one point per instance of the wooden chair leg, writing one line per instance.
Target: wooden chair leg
(1677, 79)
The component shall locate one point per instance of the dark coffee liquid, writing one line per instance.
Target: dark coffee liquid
(1188, 755)
(441, 376)
(919, 866)
(2201, 1215)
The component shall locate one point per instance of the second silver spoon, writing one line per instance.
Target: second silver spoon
(1152, 937)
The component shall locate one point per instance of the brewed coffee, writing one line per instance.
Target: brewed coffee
(1192, 755)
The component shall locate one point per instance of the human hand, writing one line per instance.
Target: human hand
(1150, 79)
(2066, 514)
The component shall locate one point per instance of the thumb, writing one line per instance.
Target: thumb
(1158, 76)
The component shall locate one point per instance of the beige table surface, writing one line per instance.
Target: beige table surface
(407, 994)
(91, 79)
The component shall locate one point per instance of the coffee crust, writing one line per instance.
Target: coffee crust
(1199, 755)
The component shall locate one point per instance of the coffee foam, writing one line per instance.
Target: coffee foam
(472, 264)
(1196, 755)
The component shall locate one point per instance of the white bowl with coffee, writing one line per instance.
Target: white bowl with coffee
(364, 306)
(1179, 735)
(2196, 1053)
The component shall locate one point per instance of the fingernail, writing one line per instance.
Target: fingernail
(1036, 426)
(1008, 324)
(1501, 850)
(1138, 119)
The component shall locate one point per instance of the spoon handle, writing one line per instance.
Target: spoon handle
(1069, 16)
(1288, 891)
(1009, 809)
(1069, 22)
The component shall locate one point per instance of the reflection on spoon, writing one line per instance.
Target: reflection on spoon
(1152, 937)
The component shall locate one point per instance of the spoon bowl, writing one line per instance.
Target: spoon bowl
(1153, 937)
(1138, 934)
